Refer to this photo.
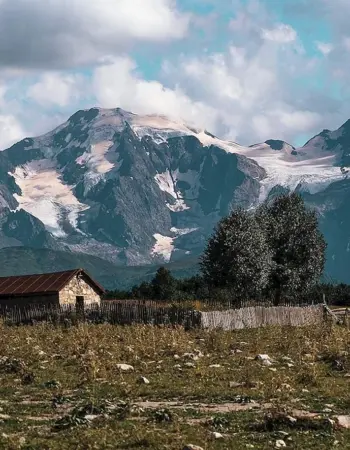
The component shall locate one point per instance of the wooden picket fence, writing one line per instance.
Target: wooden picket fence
(118, 313)
(153, 313)
(259, 316)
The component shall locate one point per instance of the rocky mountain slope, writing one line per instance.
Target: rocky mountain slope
(144, 190)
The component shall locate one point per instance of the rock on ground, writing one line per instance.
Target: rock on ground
(144, 380)
(263, 357)
(125, 367)
(190, 365)
(217, 435)
(343, 421)
(192, 447)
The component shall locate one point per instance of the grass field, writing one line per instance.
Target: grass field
(63, 389)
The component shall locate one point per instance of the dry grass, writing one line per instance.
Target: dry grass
(51, 378)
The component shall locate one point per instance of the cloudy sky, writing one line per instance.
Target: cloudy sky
(246, 70)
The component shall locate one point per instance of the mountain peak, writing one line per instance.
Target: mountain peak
(277, 144)
(142, 189)
(346, 124)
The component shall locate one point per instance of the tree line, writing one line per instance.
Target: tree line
(275, 252)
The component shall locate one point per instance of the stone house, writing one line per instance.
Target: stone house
(72, 287)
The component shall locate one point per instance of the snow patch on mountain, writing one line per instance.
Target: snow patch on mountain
(45, 196)
(178, 206)
(163, 247)
(96, 159)
(167, 183)
(310, 170)
(309, 167)
(158, 127)
(162, 128)
(192, 178)
(182, 231)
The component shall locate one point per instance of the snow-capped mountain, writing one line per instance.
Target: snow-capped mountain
(137, 190)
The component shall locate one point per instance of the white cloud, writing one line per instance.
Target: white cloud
(346, 42)
(262, 125)
(55, 89)
(119, 84)
(281, 33)
(231, 94)
(2, 94)
(249, 91)
(324, 47)
(302, 121)
(10, 131)
(333, 15)
(214, 71)
(57, 34)
(282, 120)
(10, 128)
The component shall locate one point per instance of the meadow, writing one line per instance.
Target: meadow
(142, 386)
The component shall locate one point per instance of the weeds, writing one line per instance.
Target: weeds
(219, 422)
(59, 400)
(27, 377)
(69, 421)
(71, 382)
(277, 421)
(12, 365)
(80, 415)
(52, 384)
(162, 415)
(307, 377)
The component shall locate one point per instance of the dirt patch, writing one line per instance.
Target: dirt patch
(42, 418)
(300, 414)
(203, 407)
(32, 402)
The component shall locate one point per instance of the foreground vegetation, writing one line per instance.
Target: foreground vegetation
(64, 388)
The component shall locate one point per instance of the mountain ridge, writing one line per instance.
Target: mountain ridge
(26, 261)
(147, 190)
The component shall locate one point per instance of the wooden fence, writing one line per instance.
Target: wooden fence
(127, 313)
(118, 313)
(340, 315)
(258, 316)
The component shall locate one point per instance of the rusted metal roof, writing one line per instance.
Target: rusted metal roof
(42, 283)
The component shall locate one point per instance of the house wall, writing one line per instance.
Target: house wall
(75, 287)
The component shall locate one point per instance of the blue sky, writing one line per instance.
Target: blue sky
(246, 70)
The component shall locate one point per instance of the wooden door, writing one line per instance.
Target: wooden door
(79, 304)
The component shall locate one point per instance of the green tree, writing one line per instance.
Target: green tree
(193, 288)
(237, 257)
(297, 246)
(163, 285)
(142, 291)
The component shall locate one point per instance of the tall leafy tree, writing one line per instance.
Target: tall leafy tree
(163, 284)
(142, 291)
(237, 257)
(297, 245)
